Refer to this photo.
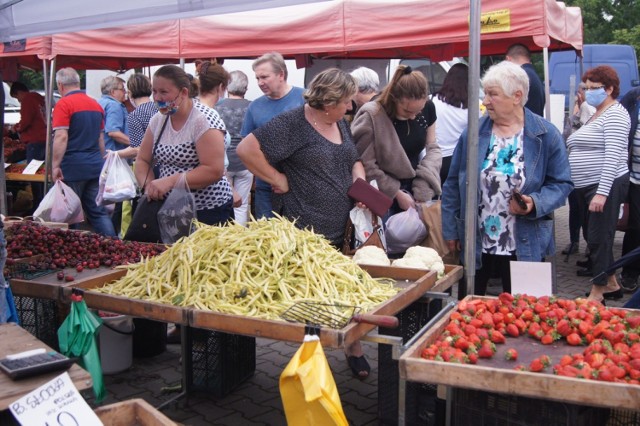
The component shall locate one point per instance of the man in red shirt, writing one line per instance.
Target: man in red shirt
(32, 126)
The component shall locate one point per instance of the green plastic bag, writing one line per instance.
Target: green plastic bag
(308, 390)
(77, 338)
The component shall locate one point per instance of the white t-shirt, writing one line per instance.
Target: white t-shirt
(451, 122)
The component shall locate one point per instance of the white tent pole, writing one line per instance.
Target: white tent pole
(471, 215)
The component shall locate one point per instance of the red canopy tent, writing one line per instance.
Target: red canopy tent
(437, 29)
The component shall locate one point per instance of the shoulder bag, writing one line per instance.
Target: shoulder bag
(144, 225)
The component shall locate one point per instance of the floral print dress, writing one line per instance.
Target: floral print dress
(502, 172)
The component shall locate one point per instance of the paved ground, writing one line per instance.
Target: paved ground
(257, 400)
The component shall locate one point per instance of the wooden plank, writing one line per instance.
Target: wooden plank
(506, 380)
(14, 340)
(49, 287)
(414, 282)
(124, 305)
(21, 177)
(132, 412)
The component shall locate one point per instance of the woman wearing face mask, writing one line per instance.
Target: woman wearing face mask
(188, 145)
(390, 134)
(598, 158)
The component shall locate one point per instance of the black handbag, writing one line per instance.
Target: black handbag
(144, 225)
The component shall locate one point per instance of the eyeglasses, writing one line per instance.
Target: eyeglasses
(590, 89)
(119, 88)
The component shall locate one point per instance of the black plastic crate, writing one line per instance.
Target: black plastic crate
(40, 318)
(219, 361)
(621, 417)
(486, 408)
(422, 406)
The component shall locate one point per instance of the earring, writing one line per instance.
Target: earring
(326, 113)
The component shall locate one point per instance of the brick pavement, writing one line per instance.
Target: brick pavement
(257, 401)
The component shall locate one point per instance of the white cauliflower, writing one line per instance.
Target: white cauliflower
(371, 255)
(409, 262)
(426, 257)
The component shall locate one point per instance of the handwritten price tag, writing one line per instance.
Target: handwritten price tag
(56, 403)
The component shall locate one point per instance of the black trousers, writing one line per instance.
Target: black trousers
(632, 234)
(489, 263)
(601, 226)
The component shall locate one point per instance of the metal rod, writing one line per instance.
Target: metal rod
(48, 163)
(471, 213)
(402, 401)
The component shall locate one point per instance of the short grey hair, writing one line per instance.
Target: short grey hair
(238, 83)
(367, 79)
(68, 77)
(276, 60)
(509, 77)
(110, 83)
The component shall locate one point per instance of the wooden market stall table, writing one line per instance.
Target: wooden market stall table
(414, 284)
(21, 177)
(497, 375)
(14, 340)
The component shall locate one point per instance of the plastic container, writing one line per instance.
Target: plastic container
(116, 343)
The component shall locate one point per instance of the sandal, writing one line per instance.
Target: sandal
(359, 366)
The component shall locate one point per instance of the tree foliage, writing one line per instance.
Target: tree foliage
(610, 21)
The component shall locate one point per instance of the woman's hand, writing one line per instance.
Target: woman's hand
(158, 188)
(514, 207)
(237, 199)
(405, 200)
(281, 184)
(597, 203)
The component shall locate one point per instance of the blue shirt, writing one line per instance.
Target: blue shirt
(263, 109)
(115, 119)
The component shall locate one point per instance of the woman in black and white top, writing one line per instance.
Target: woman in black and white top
(598, 159)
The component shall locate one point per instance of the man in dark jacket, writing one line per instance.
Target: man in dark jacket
(521, 55)
(630, 272)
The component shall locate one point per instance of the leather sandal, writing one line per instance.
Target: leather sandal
(359, 366)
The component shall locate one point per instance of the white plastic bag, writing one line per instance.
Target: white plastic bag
(117, 182)
(60, 204)
(404, 229)
(176, 215)
(362, 221)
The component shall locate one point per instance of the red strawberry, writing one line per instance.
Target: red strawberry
(511, 355)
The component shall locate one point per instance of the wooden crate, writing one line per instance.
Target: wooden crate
(124, 305)
(134, 412)
(414, 282)
(497, 376)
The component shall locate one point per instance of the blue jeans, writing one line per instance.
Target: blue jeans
(4, 305)
(263, 206)
(97, 215)
(218, 216)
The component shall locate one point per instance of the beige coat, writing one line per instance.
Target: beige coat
(384, 158)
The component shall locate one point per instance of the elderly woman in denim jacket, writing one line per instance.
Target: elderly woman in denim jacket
(521, 152)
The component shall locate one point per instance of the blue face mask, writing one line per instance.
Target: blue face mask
(167, 107)
(595, 97)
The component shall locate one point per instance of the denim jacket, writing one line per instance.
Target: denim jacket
(548, 182)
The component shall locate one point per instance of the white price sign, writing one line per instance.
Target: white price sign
(32, 167)
(56, 403)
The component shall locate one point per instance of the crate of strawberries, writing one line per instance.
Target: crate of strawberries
(575, 351)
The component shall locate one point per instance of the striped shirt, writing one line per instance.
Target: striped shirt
(635, 157)
(598, 150)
